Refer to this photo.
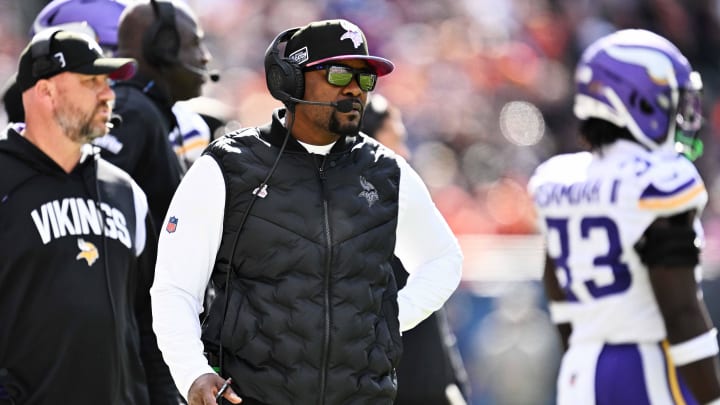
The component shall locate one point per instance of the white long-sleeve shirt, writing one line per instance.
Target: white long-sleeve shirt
(424, 243)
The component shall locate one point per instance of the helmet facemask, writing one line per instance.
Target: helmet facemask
(689, 119)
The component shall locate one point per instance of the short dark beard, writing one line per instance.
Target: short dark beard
(343, 130)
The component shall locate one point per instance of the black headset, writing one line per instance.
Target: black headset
(284, 77)
(43, 63)
(161, 41)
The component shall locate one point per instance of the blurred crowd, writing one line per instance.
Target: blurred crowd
(485, 87)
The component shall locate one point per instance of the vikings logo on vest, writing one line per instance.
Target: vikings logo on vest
(369, 192)
(88, 251)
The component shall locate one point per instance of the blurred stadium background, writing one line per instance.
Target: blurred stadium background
(485, 87)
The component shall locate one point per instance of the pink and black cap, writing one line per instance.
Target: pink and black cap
(332, 40)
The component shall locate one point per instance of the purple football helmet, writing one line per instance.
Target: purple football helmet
(99, 18)
(638, 80)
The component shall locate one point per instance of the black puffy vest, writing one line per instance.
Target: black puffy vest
(311, 316)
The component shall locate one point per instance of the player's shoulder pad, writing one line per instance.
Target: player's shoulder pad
(671, 184)
(564, 168)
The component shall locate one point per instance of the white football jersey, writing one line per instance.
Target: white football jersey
(191, 136)
(593, 208)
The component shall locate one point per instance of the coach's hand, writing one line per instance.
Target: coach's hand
(204, 389)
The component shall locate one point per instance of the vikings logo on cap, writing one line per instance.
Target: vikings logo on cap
(352, 32)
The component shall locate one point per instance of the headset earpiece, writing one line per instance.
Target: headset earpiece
(161, 41)
(44, 63)
(284, 78)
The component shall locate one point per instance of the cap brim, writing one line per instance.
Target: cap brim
(381, 66)
(116, 68)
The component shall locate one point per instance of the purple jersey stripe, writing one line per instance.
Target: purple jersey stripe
(652, 192)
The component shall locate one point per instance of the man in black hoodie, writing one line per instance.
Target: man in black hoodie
(76, 243)
(156, 140)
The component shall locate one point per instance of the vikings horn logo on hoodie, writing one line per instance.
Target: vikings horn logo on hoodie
(88, 251)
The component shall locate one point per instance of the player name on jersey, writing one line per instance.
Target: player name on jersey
(573, 194)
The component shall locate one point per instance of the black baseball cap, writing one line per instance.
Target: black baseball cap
(332, 40)
(51, 52)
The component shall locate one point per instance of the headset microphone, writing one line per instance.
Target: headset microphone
(115, 121)
(213, 74)
(343, 106)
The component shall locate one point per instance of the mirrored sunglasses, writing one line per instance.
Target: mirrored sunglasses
(341, 76)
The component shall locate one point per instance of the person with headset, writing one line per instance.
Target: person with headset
(96, 18)
(76, 241)
(99, 19)
(623, 233)
(431, 370)
(295, 222)
(167, 41)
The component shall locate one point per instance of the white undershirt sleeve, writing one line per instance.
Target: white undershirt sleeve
(427, 248)
(186, 256)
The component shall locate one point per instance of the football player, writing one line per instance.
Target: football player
(623, 235)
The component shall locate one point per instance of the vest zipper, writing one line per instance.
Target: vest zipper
(326, 284)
